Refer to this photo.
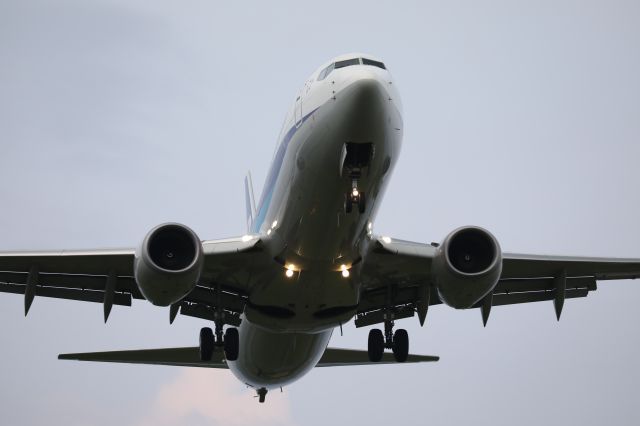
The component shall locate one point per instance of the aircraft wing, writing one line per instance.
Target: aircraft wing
(397, 276)
(107, 277)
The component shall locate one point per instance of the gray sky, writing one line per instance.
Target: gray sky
(522, 117)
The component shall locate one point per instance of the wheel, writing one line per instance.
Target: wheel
(348, 204)
(231, 344)
(362, 203)
(207, 343)
(401, 345)
(376, 345)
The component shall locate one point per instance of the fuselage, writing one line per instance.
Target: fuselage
(342, 133)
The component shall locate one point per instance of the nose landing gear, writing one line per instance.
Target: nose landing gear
(355, 197)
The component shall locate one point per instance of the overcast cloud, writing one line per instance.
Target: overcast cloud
(522, 117)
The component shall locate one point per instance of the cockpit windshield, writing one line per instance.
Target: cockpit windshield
(347, 63)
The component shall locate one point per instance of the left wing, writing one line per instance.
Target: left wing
(231, 267)
(397, 279)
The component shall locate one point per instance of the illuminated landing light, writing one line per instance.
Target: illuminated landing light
(289, 272)
(355, 192)
(345, 271)
(386, 240)
(268, 231)
(246, 238)
(274, 224)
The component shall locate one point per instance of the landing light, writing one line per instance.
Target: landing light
(274, 224)
(246, 238)
(355, 192)
(345, 271)
(289, 272)
(386, 240)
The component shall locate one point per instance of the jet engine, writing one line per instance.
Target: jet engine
(467, 266)
(168, 263)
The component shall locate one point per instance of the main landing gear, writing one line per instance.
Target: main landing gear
(355, 197)
(230, 343)
(398, 342)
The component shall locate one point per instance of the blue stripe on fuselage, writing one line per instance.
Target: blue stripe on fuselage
(274, 172)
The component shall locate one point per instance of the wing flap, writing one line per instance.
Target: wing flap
(180, 357)
(334, 357)
(122, 299)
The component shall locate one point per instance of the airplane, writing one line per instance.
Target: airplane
(310, 261)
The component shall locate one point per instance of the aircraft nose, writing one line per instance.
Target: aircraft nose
(366, 97)
(366, 91)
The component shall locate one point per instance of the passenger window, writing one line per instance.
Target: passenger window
(378, 64)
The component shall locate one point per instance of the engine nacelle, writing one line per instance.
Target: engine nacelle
(467, 266)
(168, 263)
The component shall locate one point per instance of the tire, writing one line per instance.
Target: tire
(401, 345)
(376, 345)
(362, 203)
(207, 343)
(231, 344)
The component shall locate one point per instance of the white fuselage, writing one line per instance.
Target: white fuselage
(354, 112)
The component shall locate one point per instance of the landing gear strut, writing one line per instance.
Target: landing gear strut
(228, 340)
(398, 342)
(262, 394)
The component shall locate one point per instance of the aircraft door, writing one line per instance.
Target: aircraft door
(298, 110)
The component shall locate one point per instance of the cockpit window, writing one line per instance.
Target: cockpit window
(347, 63)
(378, 64)
(325, 72)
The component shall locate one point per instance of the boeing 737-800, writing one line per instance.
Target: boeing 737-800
(310, 261)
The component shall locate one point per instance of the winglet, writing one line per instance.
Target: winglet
(249, 201)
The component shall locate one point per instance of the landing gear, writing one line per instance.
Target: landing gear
(231, 344)
(400, 345)
(398, 342)
(228, 341)
(207, 342)
(376, 345)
